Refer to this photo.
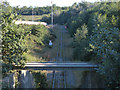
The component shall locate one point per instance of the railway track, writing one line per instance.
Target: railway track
(59, 79)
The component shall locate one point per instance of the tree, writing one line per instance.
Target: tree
(81, 43)
(13, 42)
(106, 45)
(81, 33)
(74, 5)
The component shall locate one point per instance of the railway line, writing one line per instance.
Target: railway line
(58, 80)
(60, 66)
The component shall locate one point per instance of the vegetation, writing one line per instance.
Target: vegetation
(81, 44)
(95, 28)
(96, 36)
(39, 10)
(13, 42)
(20, 41)
(30, 17)
(37, 40)
(42, 81)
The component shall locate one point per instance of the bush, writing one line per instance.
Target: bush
(42, 81)
(104, 40)
(13, 39)
(80, 43)
(40, 34)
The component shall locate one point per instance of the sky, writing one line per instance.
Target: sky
(41, 3)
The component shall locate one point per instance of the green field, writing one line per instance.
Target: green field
(35, 17)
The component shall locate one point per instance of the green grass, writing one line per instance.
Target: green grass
(35, 17)
(29, 17)
(32, 58)
(36, 41)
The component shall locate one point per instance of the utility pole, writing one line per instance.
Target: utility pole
(52, 13)
(32, 14)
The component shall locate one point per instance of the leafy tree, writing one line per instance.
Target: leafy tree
(80, 43)
(106, 45)
(13, 42)
(41, 82)
(102, 20)
(74, 5)
(81, 34)
(40, 34)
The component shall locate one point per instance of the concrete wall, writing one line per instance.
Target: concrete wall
(30, 23)
(26, 79)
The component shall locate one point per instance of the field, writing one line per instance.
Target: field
(34, 17)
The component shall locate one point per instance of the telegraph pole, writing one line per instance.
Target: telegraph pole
(52, 13)
(32, 14)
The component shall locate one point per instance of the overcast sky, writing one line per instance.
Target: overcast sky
(41, 3)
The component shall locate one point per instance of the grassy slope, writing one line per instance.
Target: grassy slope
(39, 53)
(68, 50)
(34, 49)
